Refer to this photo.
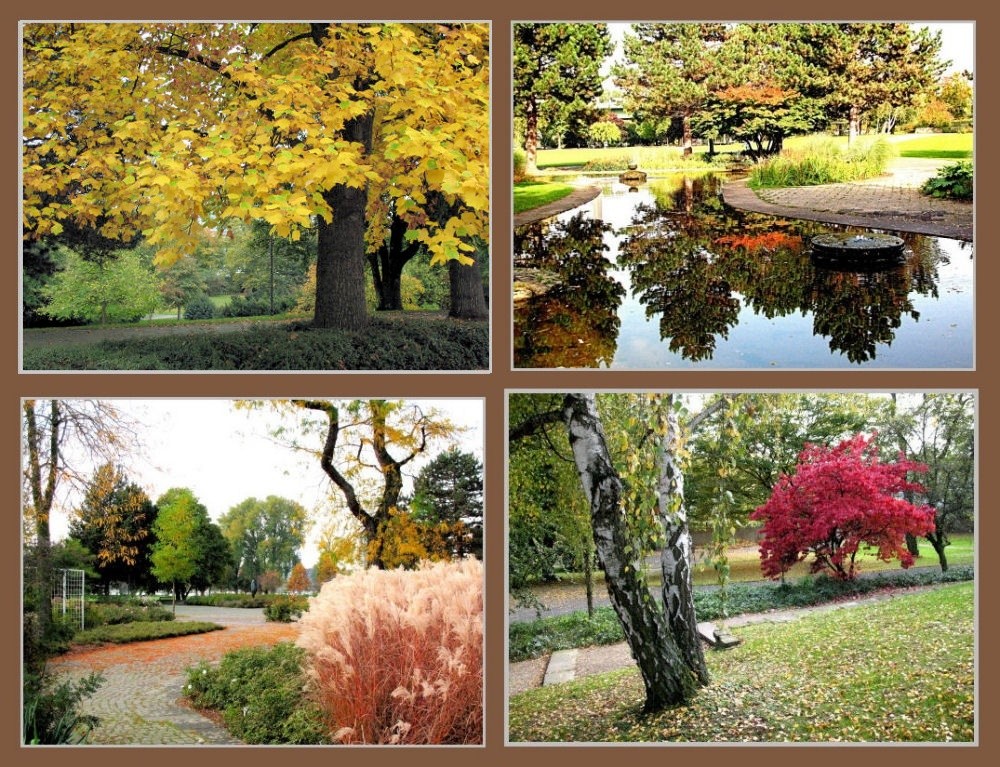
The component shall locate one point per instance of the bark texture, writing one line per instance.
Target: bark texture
(667, 677)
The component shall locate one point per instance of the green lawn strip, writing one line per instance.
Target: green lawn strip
(386, 344)
(141, 631)
(901, 670)
(533, 194)
(646, 157)
(532, 639)
(952, 146)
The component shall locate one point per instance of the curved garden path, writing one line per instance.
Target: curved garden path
(141, 700)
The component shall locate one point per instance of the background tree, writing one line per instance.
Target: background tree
(298, 581)
(269, 581)
(861, 66)
(265, 535)
(373, 439)
(668, 70)
(556, 70)
(448, 491)
(114, 289)
(115, 523)
(55, 433)
(837, 500)
(180, 282)
(938, 429)
(337, 554)
(284, 122)
(175, 555)
(773, 429)
(269, 270)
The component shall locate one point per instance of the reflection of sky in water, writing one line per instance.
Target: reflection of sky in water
(941, 337)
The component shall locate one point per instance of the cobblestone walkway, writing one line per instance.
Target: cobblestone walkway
(891, 202)
(141, 699)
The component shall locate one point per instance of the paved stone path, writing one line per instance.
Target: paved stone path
(891, 202)
(141, 699)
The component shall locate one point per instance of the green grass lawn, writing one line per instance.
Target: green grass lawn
(956, 146)
(534, 194)
(940, 145)
(900, 670)
(647, 157)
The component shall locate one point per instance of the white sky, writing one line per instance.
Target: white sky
(225, 455)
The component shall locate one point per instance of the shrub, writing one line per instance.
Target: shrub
(110, 614)
(822, 161)
(50, 711)
(285, 608)
(258, 692)
(397, 656)
(256, 306)
(952, 182)
(409, 343)
(199, 308)
(520, 164)
(231, 600)
(140, 632)
(532, 639)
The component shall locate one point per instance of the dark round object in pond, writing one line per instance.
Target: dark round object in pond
(858, 245)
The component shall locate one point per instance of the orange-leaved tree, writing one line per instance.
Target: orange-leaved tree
(159, 129)
(299, 581)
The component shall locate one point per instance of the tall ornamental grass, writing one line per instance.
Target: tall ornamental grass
(823, 161)
(397, 656)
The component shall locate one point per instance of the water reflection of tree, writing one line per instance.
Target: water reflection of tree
(690, 259)
(575, 323)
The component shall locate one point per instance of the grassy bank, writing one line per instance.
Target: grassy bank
(901, 670)
(535, 194)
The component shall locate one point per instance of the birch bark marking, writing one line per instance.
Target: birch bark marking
(675, 559)
(666, 677)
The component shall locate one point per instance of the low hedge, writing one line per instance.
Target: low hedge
(112, 614)
(124, 633)
(533, 639)
(406, 343)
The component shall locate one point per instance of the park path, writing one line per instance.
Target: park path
(566, 665)
(141, 700)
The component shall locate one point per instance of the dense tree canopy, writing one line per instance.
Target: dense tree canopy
(556, 72)
(155, 129)
(115, 523)
(838, 499)
(449, 490)
(264, 535)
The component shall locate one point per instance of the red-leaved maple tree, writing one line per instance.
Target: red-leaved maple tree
(837, 500)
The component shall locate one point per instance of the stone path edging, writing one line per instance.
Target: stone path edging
(580, 196)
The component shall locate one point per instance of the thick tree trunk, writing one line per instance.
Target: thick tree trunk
(468, 301)
(687, 141)
(531, 137)
(853, 124)
(675, 559)
(340, 258)
(666, 676)
(939, 541)
(387, 266)
(911, 544)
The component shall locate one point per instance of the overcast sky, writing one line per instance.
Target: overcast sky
(225, 455)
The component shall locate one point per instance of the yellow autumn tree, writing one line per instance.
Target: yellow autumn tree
(158, 129)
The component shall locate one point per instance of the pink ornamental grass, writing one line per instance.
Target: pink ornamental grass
(396, 656)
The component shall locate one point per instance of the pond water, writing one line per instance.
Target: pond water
(666, 276)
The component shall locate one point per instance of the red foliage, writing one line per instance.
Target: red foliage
(837, 500)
